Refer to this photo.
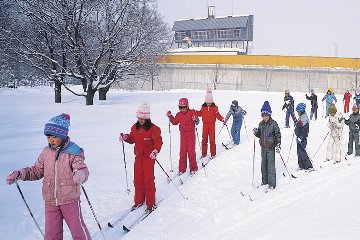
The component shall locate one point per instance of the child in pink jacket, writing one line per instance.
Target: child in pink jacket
(61, 165)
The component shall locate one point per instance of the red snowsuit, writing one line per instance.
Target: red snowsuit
(187, 139)
(145, 142)
(346, 99)
(209, 116)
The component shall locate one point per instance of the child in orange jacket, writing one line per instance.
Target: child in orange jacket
(209, 113)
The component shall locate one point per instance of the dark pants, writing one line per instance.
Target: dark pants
(288, 113)
(353, 137)
(235, 131)
(313, 113)
(303, 158)
(268, 170)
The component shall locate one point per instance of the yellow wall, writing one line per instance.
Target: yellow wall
(289, 61)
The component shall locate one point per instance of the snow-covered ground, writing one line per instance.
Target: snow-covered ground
(320, 205)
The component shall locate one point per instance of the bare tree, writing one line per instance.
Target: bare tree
(268, 77)
(355, 77)
(92, 42)
(310, 78)
(217, 75)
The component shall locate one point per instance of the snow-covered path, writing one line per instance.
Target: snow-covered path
(319, 205)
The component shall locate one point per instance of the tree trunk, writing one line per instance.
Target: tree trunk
(103, 92)
(57, 90)
(90, 96)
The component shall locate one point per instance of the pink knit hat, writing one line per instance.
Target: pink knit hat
(209, 96)
(143, 111)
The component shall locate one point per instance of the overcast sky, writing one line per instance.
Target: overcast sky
(285, 27)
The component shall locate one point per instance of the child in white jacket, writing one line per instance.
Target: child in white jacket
(336, 125)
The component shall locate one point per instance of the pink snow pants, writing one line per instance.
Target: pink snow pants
(187, 149)
(71, 212)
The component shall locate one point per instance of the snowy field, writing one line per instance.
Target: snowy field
(320, 205)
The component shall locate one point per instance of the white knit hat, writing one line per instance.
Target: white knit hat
(143, 111)
(208, 96)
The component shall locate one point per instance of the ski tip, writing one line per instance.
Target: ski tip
(110, 225)
(292, 175)
(126, 229)
(250, 198)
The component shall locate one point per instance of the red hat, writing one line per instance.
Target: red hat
(183, 102)
(355, 107)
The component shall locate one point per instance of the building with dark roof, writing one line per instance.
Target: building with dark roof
(220, 32)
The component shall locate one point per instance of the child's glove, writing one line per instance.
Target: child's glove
(168, 114)
(153, 154)
(79, 177)
(123, 137)
(278, 148)
(298, 140)
(12, 177)
(255, 131)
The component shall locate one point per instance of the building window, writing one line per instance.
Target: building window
(236, 33)
(212, 34)
(179, 36)
(199, 35)
(230, 33)
(233, 33)
(222, 34)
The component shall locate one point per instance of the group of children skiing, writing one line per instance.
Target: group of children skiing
(62, 166)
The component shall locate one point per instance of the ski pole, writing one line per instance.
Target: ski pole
(127, 182)
(246, 130)
(171, 170)
(292, 140)
(31, 214)
(202, 160)
(171, 180)
(321, 144)
(285, 165)
(229, 133)
(197, 135)
(253, 165)
(220, 131)
(92, 210)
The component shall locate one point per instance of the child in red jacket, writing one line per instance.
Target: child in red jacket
(148, 142)
(209, 113)
(186, 118)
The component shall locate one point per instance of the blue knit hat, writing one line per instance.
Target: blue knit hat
(58, 126)
(301, 107)
(234, 103)
(266, 109)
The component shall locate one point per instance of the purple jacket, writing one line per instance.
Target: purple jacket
(58, 185)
